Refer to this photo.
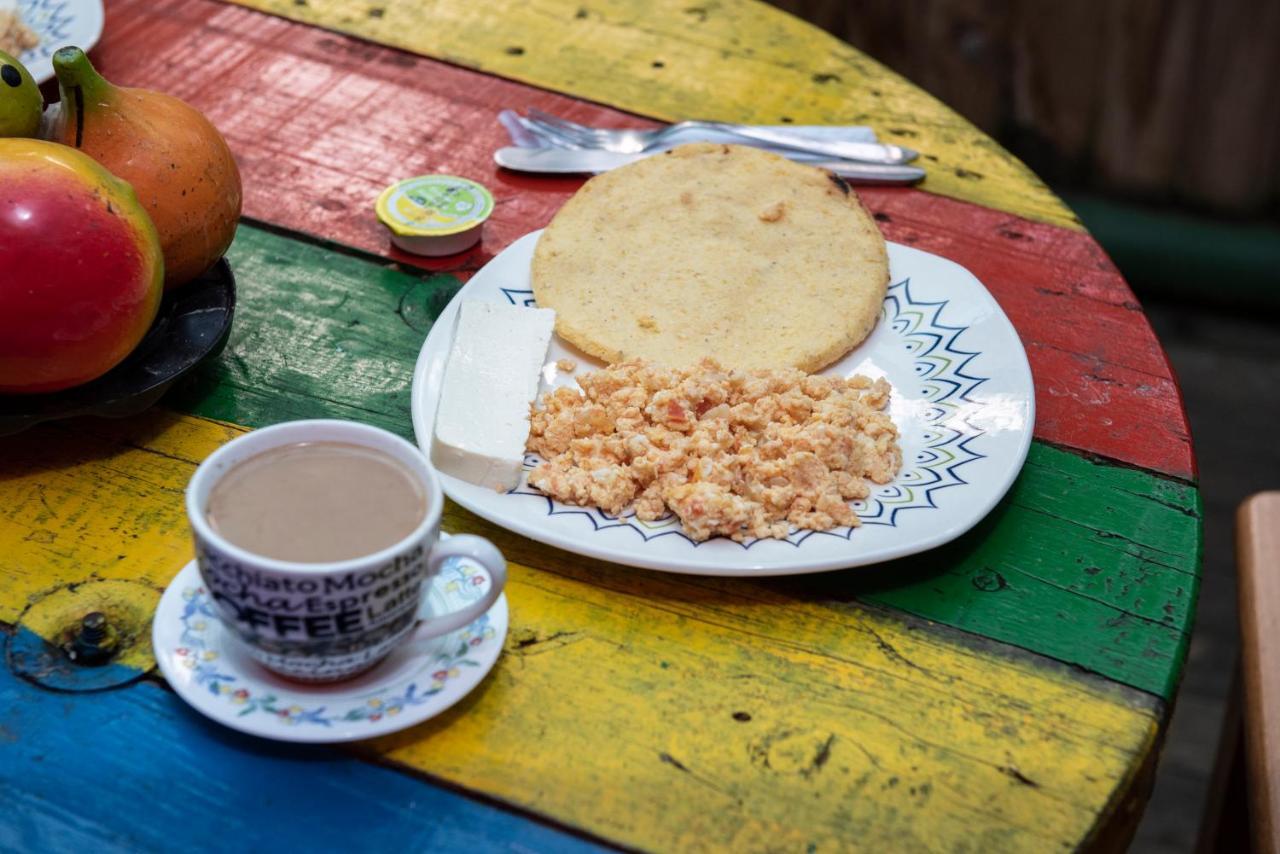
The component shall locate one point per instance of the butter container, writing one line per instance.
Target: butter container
(434, 214)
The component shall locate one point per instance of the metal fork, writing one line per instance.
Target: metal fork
(573, 135)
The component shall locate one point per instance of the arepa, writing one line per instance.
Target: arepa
(713, 251)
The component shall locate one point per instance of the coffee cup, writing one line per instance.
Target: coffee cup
(325, 621)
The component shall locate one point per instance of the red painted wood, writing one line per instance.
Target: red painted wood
(1103, 382)
(321, 123)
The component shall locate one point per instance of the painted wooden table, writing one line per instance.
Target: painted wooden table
(1005, 692)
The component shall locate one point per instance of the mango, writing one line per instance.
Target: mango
(81, 272)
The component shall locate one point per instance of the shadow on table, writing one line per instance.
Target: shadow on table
(373, 748)
(848, 585)
(65, 444)
(837, 586)
(257, 746)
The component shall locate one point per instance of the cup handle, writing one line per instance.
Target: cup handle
(482, 552)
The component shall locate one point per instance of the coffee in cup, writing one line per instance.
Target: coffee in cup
(315, 540)
(316, 502)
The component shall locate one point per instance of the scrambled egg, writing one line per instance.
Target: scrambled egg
(15, 37)
(732, 453)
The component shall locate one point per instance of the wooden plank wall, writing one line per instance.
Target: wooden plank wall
(1172, 100)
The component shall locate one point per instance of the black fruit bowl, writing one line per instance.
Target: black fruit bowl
(192, 327)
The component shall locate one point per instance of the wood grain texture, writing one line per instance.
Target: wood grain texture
(616, 661)
(137, 770)
(1107, 581)
(1103, 382)
(1076, 550)
(1085, 562)
(682, 715)
(1028, 577)
(1258, 550)
(1049, 571)
(657, 711)
(628, 702)
(317, 334)
(321, 123)
(93, 498)
(1088, 563)
(1043, 572)
(733, 60)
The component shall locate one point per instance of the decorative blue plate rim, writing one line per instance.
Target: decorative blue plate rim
(963, 399)
(59, 23)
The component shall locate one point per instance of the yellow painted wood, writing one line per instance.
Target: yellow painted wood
(732, 60)
(127, 604)
(662, 713)
(92, 498)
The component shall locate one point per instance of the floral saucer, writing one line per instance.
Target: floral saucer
(207, 667)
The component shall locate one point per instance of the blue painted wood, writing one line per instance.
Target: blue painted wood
(37, 660)
(134, 769)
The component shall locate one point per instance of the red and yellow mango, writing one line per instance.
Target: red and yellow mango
(81, 271)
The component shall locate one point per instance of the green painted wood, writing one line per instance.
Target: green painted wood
(317, 334)
(1047, 571)
(1050, 569)
(1039, 572)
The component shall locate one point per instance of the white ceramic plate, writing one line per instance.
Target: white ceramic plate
(206, 666)
(962, 399)
(59, 23)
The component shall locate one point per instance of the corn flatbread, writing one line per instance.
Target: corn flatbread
(713, 251)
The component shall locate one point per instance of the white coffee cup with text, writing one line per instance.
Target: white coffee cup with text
(319, 622)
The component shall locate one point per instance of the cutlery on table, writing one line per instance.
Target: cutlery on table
(574, 161)
(564, 133)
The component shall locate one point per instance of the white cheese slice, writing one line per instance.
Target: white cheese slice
(490, 381)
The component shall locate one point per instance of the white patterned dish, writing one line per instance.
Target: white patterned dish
(204, 664)
(962, 399)
(59, 23)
